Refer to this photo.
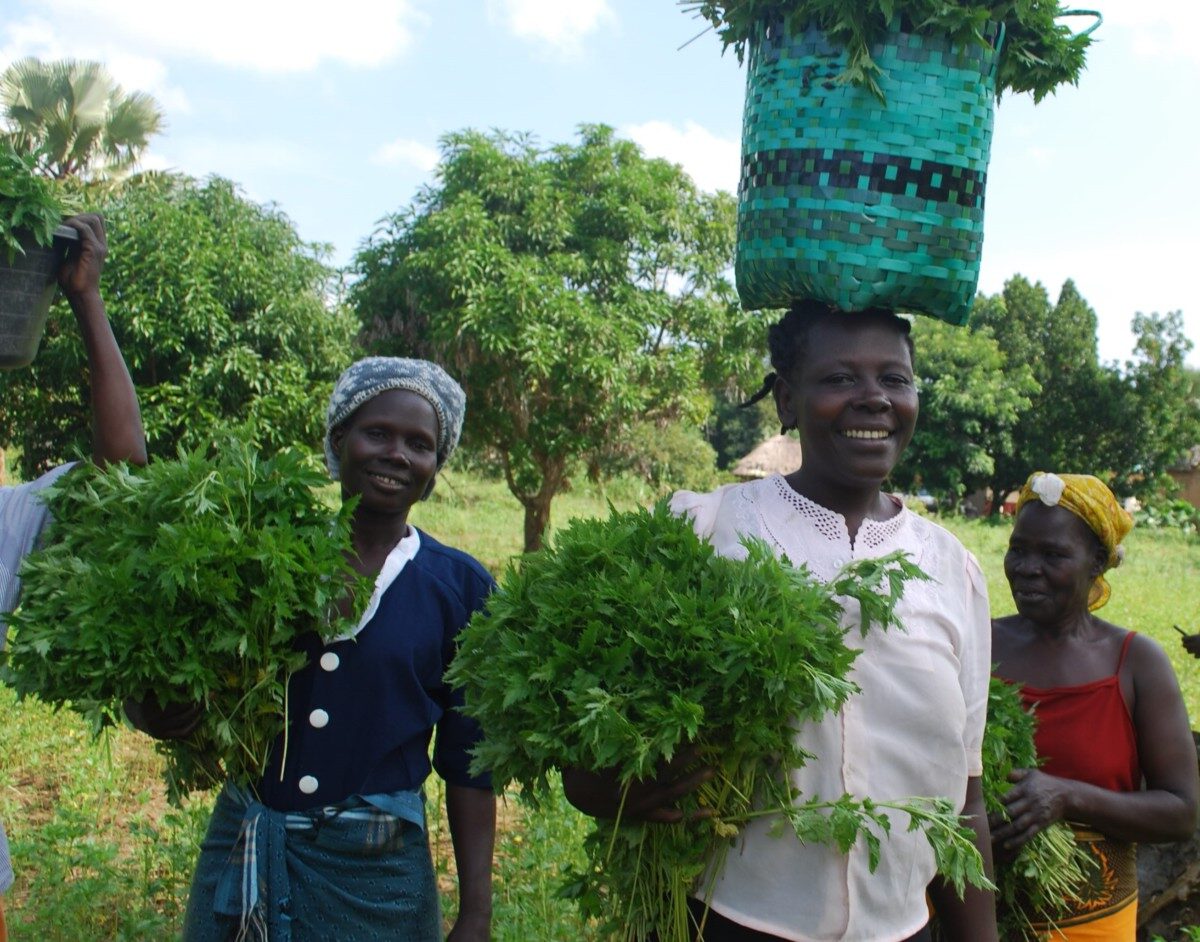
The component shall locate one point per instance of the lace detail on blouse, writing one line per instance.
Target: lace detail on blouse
(871, 535)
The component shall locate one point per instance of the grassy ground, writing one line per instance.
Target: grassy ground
(101, 856)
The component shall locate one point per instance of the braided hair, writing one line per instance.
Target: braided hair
(787, 339)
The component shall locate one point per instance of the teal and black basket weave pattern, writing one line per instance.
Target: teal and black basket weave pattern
(855, 202)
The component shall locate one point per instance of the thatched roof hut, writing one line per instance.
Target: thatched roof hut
(779, 454)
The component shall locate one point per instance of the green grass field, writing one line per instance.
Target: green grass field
(101, 856)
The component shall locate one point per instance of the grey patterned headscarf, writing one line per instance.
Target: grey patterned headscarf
(367, 378)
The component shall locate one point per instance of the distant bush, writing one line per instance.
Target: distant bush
(734, 431)
(669, 457)
(1169, 514)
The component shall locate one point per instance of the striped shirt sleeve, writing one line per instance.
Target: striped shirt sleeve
(22, 519)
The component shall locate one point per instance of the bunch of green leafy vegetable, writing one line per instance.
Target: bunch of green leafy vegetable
(1041, 882)
(1039, 52)
(630, 639)
(29, 203)
(189, 580)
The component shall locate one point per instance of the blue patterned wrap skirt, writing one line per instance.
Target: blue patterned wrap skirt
(356, 871)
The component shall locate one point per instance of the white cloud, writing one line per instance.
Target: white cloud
(143, 74)
(30, 37)
(263, 35)
(35, 37)
(559, 24)
(405, 152)
(713, 162)
(1158, 29)
(152, 160)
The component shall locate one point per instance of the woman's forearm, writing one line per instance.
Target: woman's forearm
(1145, 817)
(116, 419)
(472, 816)
(117, 433)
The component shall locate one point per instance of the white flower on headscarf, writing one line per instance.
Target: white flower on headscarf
(1049, 488)
(1119, 554)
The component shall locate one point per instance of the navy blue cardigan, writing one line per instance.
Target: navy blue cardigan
(362, 711)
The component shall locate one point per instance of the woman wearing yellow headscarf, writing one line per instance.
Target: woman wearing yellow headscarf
(1118, 761)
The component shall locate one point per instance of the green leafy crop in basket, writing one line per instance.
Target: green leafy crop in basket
(1039, 51)
(630, 639)
(190, 580)
(1044, 878)
(28, 202)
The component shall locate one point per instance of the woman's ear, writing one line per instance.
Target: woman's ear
(336, 437)
(786, 406)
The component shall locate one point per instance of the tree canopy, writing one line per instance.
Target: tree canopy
(223, 315)
(972, 401)
(1125, 423)
(734, 430)
(574, 290)
(76, 119)
(1157, 397)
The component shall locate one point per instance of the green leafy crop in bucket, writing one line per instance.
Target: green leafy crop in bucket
(190, 580)
(28, 203)
(630, 639)
(1039, 51)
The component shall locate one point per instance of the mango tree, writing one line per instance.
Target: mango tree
(574, 290)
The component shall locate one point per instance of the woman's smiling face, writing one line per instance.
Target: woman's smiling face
(388, 451)
(852, 399)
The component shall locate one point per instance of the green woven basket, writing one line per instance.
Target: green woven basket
(855, 202)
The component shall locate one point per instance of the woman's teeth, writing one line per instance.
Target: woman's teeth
(865, 433)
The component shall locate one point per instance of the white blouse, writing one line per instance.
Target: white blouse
(914, 730)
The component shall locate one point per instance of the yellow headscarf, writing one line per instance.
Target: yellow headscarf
(1089, 499)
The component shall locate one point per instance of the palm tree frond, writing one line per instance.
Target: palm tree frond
(76, 118)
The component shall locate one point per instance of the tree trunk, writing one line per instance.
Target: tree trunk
(537, 519)
(537, 505)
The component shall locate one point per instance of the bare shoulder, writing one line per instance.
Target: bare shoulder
(1007, 631)
(1010, 639)
(1147, 659)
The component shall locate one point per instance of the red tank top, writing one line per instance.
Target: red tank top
(1086, 733)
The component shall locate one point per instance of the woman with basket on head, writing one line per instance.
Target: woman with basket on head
(844, 381)
(1119, 762)
(334, 845)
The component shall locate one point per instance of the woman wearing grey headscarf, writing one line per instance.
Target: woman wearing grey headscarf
(335, 846)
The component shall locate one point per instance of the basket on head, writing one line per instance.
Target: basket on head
(859, 202)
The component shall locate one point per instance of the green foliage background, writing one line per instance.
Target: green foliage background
(223, 314)
(1125, 423)
(574, 290)
(973, 401)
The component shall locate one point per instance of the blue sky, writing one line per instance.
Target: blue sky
(334, 110)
